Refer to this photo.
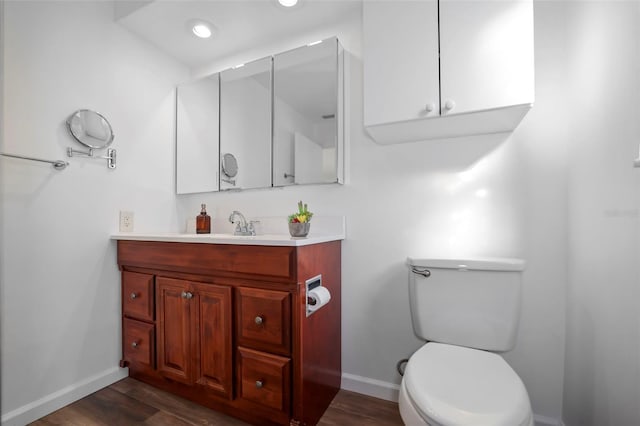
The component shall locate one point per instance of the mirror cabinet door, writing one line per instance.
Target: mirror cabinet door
(245, 125)
(197, 153)
(306, 143)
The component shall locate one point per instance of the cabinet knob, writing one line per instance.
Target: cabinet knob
(186, 295)
(429, 107)
(259, 320)
(259, 384)
(449, 105)
(133, 295)
(134, 344)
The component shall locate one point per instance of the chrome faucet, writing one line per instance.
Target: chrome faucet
(242, 228)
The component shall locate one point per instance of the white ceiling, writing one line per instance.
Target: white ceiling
(240, 25)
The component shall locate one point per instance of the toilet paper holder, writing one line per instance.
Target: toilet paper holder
(310, 302)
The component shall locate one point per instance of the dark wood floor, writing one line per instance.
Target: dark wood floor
(130, 402)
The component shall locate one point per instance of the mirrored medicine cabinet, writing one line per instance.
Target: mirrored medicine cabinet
(273, 122)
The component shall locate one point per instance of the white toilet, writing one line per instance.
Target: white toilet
(464, 308)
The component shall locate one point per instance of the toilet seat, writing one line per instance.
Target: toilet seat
(452, 385)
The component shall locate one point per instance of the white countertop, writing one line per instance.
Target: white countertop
(257, 240)
(272, 231)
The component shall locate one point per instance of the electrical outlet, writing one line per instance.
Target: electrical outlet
(126, 221)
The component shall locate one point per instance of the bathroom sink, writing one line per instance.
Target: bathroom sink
(271, 239)
(231, 236)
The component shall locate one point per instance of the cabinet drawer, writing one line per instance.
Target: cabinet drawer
(137, 296)
(210, 259)
(263, 319)
(264, 379)
(138, 342)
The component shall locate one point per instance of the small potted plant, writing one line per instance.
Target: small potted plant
(299, 222)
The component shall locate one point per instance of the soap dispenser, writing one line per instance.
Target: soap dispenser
(203, 221)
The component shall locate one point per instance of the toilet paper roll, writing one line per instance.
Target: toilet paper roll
(318, 297)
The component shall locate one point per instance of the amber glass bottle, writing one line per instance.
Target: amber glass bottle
(203, 221)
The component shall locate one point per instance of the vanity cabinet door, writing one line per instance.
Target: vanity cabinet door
(195, 334)
(213, 317)
(176, 331)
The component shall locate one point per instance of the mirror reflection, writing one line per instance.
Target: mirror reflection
(245, 124)
(90, 129)
(305, 111)
(229, 168)
(197, 147)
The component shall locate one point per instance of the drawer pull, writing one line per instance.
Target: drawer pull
(133, 295)
(259, 384)
(259, 320)
(134, 344)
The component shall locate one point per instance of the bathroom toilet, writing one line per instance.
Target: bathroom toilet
(464, 309)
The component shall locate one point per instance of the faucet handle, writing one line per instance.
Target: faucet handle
(252, 228)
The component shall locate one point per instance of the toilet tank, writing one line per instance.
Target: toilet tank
(466, 302)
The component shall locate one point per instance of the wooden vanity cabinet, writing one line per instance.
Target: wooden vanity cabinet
(226, 326)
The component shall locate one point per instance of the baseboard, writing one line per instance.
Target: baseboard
(546, 421)
(34, 410)
(371, 387)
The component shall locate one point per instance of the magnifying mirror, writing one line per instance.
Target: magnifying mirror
(229, 165)
(90, 128)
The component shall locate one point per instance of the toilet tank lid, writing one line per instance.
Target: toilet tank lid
(477, 263)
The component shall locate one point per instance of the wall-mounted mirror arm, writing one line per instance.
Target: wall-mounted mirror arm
(110, 157)
(229, 181)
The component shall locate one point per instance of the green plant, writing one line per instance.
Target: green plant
(303, 215)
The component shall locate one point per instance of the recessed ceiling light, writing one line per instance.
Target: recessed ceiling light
(288, 3)
(200, 28)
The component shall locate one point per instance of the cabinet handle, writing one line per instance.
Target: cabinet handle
(133, 295)
(186, 295)
(449, 105)
(259, 320)
(134, 344)
(259, 384)
(429, 107)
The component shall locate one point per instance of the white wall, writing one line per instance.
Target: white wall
(61, 294)
(497, 195)
(602, 366)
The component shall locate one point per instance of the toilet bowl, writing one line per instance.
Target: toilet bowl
(447, 385)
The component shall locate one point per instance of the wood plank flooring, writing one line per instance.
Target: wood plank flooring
(130, 402)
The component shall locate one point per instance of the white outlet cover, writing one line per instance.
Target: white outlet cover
(126, 221)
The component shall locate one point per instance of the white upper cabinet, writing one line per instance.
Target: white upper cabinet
(401, 60)
(444, 69)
